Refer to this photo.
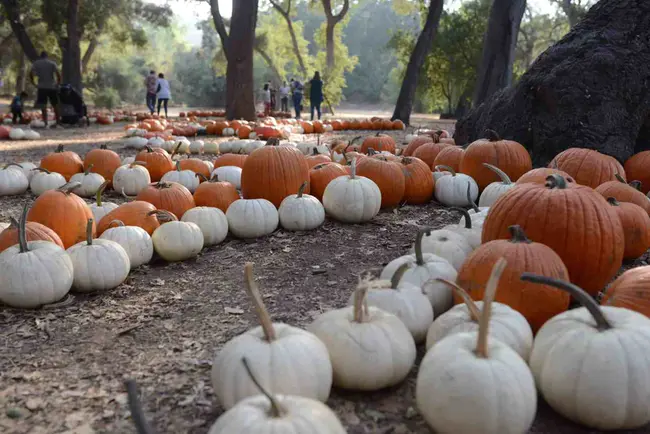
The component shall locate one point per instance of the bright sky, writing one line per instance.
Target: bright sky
(190, 12)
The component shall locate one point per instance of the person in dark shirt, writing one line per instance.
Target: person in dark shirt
(17, 107)
(315, 94)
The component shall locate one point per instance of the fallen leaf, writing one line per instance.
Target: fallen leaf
(234, 310)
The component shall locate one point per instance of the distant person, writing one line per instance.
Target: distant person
(49, 80)
(151, 84)
(163, 92)
(297, 97)
(273, 97)
(315, 94)
(284, 97)
(17, 107)
(266, 98)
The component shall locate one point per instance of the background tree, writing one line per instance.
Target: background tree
(574, 9)
(332, 19)
(284, 9)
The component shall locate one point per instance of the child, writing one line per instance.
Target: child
(267, 99)
(17, 107)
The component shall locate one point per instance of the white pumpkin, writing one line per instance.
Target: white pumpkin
(131, 179)
(423, 270)
(211, 148)
(7, 121)
(89, 182)
(226, 147)
(252, 145)
(196, 147)
(404, 300)
(301, 212)
(469, 231)
(448, 245)
(169, 145)
(352, 199)
(212, 222)
(252, 218)
(135, 241)
(176, 240)
(37, 123)
(13, 180)
(28, 168)
(494, 190)
(44, 180)
(451, 190)
(370, 349)
(31, 135)
(186, 178)
(210, 165)
(101, 208)
(34, 273)
(155, 142)
(128, 160)
(136, 142)
(16, 134)
(474, 383)
(506, 324)
(591, 364)
(228, 131)
(182, 146)
(287, 359)
(98, 264)
(231, 174)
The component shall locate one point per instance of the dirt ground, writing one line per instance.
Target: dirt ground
(62, 369)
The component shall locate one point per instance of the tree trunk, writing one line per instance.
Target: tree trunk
(13, 14)
(22, 73)
(495, 70)
(404, 104)
(269, 63)
(71, 48)
(589, 90)
(92, 46)
(332, 21)
(240, 88)
(286, 14)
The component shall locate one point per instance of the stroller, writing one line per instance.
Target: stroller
(72, 108)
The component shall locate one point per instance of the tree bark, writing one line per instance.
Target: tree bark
(332, 21)
(286, 14)
(240, 89)
(589, 90)
(22, 73)
(71, 48)
(219, 25)
(404, 104)
(85, 60)
(495, 69)
(12, 11)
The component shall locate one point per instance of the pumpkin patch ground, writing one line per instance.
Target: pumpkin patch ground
(63, 366)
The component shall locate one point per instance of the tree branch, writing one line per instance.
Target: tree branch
(294, 41)
(13, 14)
(220, 25)
(341, 15)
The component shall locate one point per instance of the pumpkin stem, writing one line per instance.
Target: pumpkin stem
(100, 191)
(466, 216)
(635, 185)
(517, 235)
(612, 201)
(619, 178)
(492, 135)
(22, 231)
(488, 297)
(148, 148)
(103, 146)
(555, 181)
(12, 164)
(553, 164)
(126, 196)
(360, 303)
(87, 171)
(353, 168)
(13, 223)
(277, 410)
(59, 149)
(260, 309)
(314, 152)
(178, 165)
(371, 151)
(398, 274)
(302, 188)
(602, 323)
(137, 414)
(67, 188)
(505, 179)
(474, 312)
(89, 232)
(272, 141)
(118, 223)
(419, 258)
(470, 202)
(319, 166)
(162, 214)
(354, 140)
(201, 176)
(40, 169)
(446, 168)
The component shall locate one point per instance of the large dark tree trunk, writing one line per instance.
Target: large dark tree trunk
(71, 48)
(22, 72)
(590, 90)
(495, 70)
(332, 21)
(404, 104)
(12, 11)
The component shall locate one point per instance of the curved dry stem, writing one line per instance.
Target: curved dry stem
(635, 185)
(505, 179)
(87, 170)
(517, 235)
(100, 191)
(491, 135)
(612, 201)
(301, 190)
(619, 178)
(67, 188)
(202, 177)
(419, 257)
(398, 274)
(126, 196)
(163, 215)
(353, 168)
(555, 181)
(118, 223)
(22, 230)
(359, 303)
(89, 232)
(474, 312)
(277, 410)
(470, 202)
(37, 169)
(576, 292)
(260, 309)
(488, 297)
(445, 168)
(466, 216)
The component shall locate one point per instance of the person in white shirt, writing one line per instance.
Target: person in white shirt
(163, 92)
(284, 96)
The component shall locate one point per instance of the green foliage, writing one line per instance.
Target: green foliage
(107, 98)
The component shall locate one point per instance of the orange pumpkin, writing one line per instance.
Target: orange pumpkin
(336, 125)
(623, 192)
(267, 132)
(196, 166)
(630, 290)
(636, 227)
(157, 161)
(103, 161)
(398, 125)
(66, 163)
(418, 181)
(449, 156)
(636, 168)
(316, 159)
(429, 151)
(34, 232)
(509, 156)
(321, 175)
(539, 175)
(307, 127)
(387, 175)
(378, 142)
(416, 143)
(64, 212)
(168, 196)
(273, 172)
(588, 167)
(230, 160)
(244, 132)
(319, 128)
(134, 213)
(538, 303)
(570, 218)
(216, 194)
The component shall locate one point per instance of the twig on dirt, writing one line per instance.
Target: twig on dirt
(128, 329)
(141, 424)
(67, 301)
